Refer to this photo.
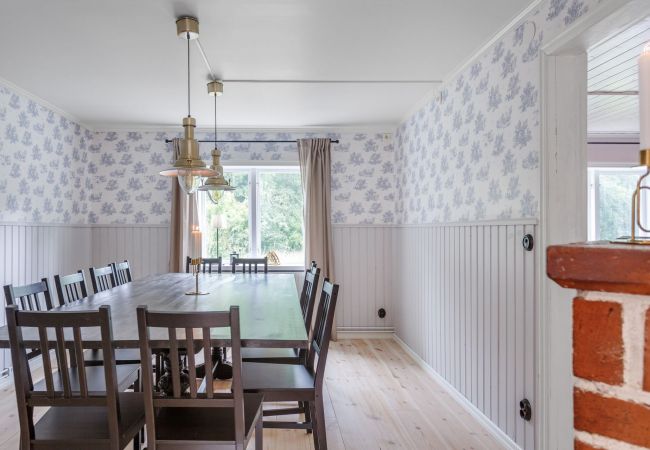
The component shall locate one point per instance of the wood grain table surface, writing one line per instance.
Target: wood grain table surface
(269, 310)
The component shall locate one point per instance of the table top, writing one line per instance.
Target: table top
(269, 310)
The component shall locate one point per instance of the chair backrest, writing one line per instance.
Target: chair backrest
(65, 385)
(122, 272)
(70, 288)
(320, 340)
(250, 262)
(308, 296)
(205, 262)
(27, 297)
(102, 278)
(178, 328)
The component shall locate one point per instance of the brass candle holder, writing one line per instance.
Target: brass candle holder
(644, 159)
(195, 263)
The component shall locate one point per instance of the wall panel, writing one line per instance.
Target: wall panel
(364, 260)
(466, 306)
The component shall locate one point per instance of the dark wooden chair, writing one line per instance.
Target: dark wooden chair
(194, 416)
(70, 288)
(86, 405)
(288, 355)
(27, 297)
(205, 263)
(302, 383)
(103, 278)
(122, 272)
(30, 297)
(250, 262)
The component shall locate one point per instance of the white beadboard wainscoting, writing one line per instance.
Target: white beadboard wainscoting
(145, 246)
(364, 257)
(467, 301)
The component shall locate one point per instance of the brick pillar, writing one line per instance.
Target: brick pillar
(611, 342)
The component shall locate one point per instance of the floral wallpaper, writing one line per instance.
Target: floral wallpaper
(472, 153)
(53, 170)
(126, 186)
(43, 161)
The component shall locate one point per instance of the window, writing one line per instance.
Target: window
(262, 215)
(610, 197)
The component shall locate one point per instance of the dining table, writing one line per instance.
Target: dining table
(269, 310)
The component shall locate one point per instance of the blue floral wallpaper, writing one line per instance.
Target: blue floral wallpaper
(472, 153)
(126, 186)
(53, 170)
(43, 163)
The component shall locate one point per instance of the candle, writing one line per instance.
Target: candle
(196, 242)
(644, 98)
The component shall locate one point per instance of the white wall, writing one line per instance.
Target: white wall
(466, 301)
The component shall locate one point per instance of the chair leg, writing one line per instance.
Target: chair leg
(312, 413)
(319, 411)
(259, 435)
(307, 407)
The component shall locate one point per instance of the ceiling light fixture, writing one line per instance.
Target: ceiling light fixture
(188, 167)
(216, 184)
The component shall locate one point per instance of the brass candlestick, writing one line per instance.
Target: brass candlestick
(196, 265)
(644, 159)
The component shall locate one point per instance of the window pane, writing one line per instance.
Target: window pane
(233, 208)
(613, 197)
(281, 227)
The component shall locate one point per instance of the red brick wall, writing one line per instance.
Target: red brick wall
(611, 363)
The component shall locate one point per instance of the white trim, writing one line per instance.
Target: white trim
(85, 225)
(379, 128)
(25, 93)
(365, 333)
(473, 411)
(468, 61)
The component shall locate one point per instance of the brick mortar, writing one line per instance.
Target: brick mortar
(626, 393)
(633, 343)
(596, 440)
(618, 298)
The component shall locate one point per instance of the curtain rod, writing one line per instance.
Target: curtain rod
(333, 141)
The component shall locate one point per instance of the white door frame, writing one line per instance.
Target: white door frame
(563, 210)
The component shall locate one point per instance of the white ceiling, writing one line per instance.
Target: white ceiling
(119, 63)
(613, 66)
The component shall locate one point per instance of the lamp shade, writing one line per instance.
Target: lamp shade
(219, 222)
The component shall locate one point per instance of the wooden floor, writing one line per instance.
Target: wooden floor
(377, 397)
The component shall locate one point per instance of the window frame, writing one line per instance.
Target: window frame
(254, 208)
(593, 177)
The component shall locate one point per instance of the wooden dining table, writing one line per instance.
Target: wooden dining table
(269, 310)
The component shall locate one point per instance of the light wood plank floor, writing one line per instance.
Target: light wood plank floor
(377, 397)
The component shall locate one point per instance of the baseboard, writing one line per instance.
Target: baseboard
(364, 333)
(498, 434)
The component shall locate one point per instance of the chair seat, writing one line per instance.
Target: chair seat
(270, 355)
(72, 427)
(264, 377)
(122, 356)
(126, 376)
(210, 425)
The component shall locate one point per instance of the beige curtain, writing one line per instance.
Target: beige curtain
(314, 157)
(184, 217)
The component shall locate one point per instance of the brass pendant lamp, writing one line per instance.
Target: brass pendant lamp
(216, 184)
(188, 168)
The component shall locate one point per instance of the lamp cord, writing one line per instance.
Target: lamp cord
(215, 120)
(188, 75)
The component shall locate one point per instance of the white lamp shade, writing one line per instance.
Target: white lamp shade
(644, 97)
(219, 222)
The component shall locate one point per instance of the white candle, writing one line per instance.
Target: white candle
(196, 243)
(644, 97)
